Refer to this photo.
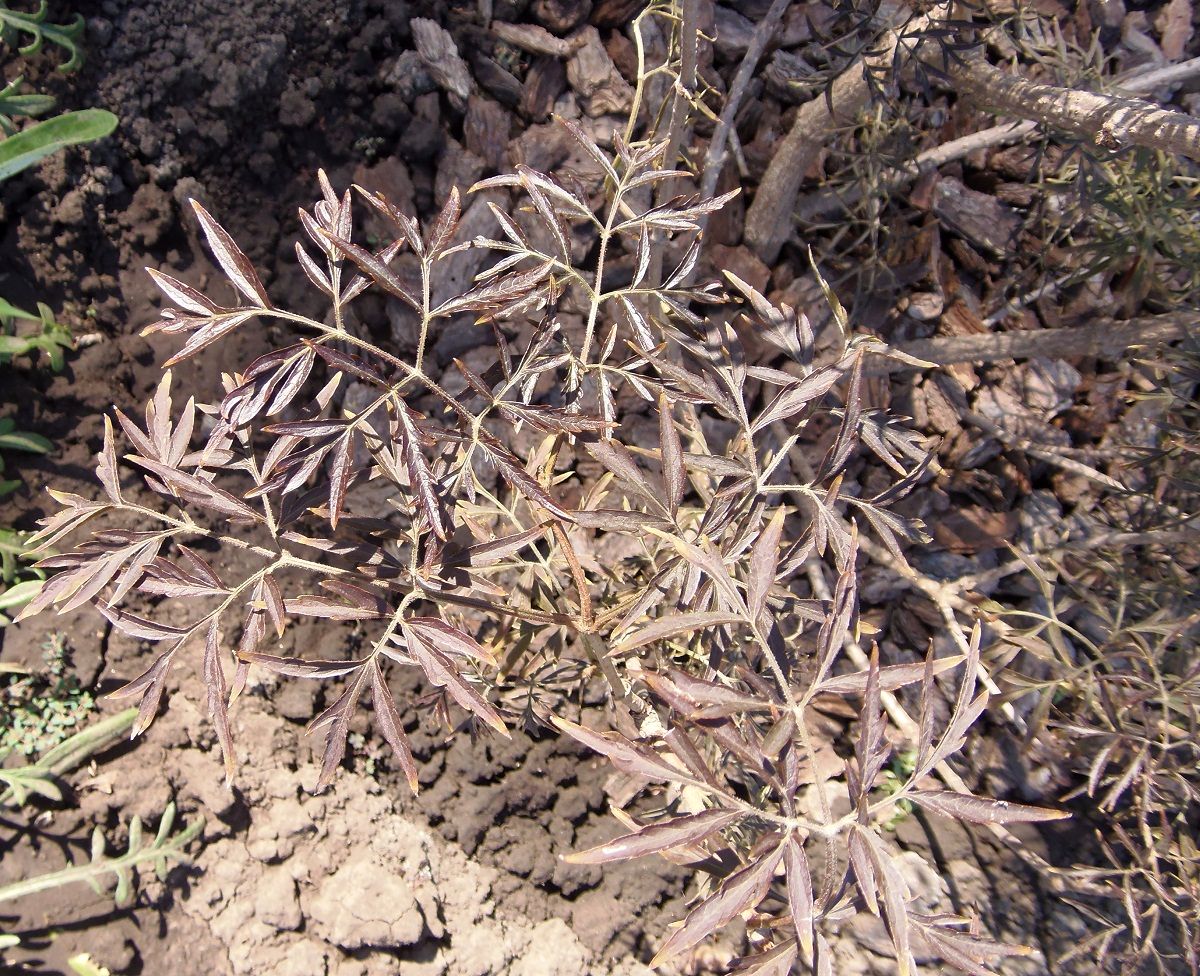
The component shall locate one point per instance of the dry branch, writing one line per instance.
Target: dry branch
(714, 159)
(825, 203)
(769, 219)
(1106, 338)
(1110, 121)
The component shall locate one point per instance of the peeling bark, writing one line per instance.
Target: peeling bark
(1110, 121)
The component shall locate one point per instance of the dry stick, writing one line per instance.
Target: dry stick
(1144, 82)
(1110, 121)
(1018, 302)
(714, 159)
(1106, 339)
(827, 202)
(1042, 453)
(769, 219)
(689, 43)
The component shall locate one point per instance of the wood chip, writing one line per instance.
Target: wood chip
(978, 217)
(440, 55)
(971, 529)
(615, 13)
(733, 33)
(591, 72)
(1175, 29)
(561, 16)
(496, 80)
(541, 147)
(959, 320)
(742, 262)
(486, 130)
(545, 81)
(457, 167)
(789, 77)
(536, 40)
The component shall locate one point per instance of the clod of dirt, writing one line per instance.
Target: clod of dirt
(364, 905)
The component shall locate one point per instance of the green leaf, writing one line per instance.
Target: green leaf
(23, 440)
(8, 310)
(34, 23)
(39, 141)
(31, 104)
(12, 102)
(22, 593)
(16, 345)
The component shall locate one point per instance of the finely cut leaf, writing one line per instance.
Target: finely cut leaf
(233, 262)
(738, 893)
(764, 562)
(799, 891)
(423, 483)
(203, 492)
(391, 726)
(671, 451)
(442, 672)
(438, 633)
(36, 142)
(218, 706)
(627, 756)
(691, 829)
(664, 627)
(890, 678)
(978, 809)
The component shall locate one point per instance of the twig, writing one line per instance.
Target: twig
(1018, 302)
(828, 202)
(1144, 82)
(689, 42)
(769, 220)
(1106, 339)
(685, 86)
(714, 159)
(1110, 121)
(1042, 453)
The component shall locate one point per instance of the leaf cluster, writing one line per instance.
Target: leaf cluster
(40, 709)
(622, 495)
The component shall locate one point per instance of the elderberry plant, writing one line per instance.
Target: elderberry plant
(625, 495)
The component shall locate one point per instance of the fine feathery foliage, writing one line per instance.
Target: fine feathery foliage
(493, 528)
(1110, 666)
